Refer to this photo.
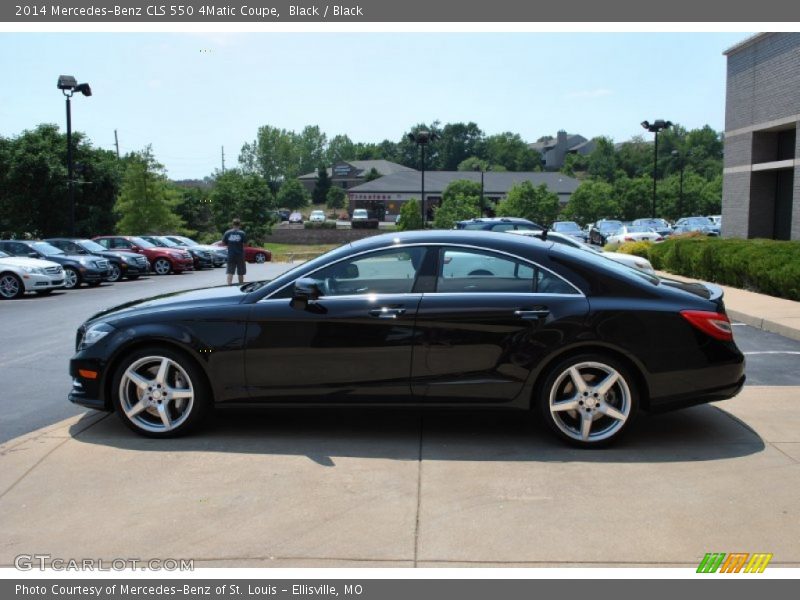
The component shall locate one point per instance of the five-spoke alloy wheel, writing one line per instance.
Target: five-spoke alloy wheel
(589, 400)
(11, 286)
(261, 258)
(160, 393)
(162, 266)
(72, 278)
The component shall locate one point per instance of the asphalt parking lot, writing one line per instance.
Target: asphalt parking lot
(385, 488)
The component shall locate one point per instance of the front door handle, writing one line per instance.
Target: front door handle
(538, 313)
(386, 313)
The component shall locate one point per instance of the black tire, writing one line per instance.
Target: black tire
(162, 266)
(93, 283)
(183, 374)
(11, 287)
(72, 279)
(133, 277)
(116, 273)
(603, 411)
(44, 292)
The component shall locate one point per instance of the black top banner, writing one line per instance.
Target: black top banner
(366, 11)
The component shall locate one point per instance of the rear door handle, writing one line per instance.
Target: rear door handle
(386, 313)
(538, 313)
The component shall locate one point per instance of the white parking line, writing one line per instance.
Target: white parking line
(772, 352)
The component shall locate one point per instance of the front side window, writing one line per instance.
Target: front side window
(476, 271)
(386, 272)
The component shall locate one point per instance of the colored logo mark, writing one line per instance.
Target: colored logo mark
(736, 562)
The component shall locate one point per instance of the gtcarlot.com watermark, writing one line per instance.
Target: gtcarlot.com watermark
(42, 562)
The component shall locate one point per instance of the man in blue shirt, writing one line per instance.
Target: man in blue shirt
(235, 240)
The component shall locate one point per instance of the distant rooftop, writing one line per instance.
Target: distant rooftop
(747, 42)
(384, 167)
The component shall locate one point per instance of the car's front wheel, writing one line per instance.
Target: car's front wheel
(11, 287)
(589, 400)
(72, 279)
(116, 273)
(162, 266)
(159, 392)
(261, 258)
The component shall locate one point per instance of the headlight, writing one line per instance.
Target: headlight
(37, 270)
(130, 261)
(94, 334)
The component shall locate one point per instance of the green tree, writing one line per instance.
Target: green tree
(292, 195)
(602, 161)
(592, 200)
(410, 216)
(309, 149)
(634, 197)
(372, 175)
(510, 151)
(273, 155)
(457, 142)
(336, 198)
(461, 200)
(536, 203)
(247, 196)
(473, 163)
(341, 147)
(195, 208)
(147, 202)
(575, 164)
(321, 187)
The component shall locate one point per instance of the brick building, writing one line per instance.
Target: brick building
(761, 176)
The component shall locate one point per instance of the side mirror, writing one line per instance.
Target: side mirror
(305, 291)
(133, 249)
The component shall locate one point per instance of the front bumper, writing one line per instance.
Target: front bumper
(87, 391)
(90, 274)
(34, 282)
(182, 264)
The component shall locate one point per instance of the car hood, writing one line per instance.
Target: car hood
(21, 261)
(116, 254)
(213, 296)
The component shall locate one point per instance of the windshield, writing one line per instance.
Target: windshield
(566, 226)
(167, 242)
(651, 222)
(603, 261)
(701, 221)
(91, 246)
(179, 239)
(142, 243)
(638, 229)
(3, 254)
(46, 249)
(610, 225)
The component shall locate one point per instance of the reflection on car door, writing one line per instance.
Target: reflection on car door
(353, 344)
(487, 326)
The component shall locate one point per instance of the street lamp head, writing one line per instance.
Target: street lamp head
(422, 137)
(67, 82)
(657, 125)
(646, 125)
(84, 89)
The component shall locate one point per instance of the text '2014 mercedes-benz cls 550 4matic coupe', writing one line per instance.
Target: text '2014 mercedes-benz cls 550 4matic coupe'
(423, 319)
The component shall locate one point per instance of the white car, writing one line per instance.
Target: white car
(629, 260)
(633, 233)
(19, 275)
(317, 216)
(360, 214)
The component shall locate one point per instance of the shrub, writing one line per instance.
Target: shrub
(410, 216)
(767, 266)
(636, 248)
(320, 225)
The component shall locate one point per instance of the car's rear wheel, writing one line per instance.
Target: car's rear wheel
(589, 400)
(116, 273)
(261, 257)
(11, 286)
(72, 279)
(159, 392)
(162, 266)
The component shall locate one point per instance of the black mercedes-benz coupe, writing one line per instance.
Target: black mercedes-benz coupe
(422, 319)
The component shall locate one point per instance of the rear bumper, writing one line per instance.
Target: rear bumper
(713, 394)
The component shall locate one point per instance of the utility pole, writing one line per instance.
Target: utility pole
(116, 143)
(223, 159)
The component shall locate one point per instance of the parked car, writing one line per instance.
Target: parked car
(388, 321)
(121, 263)
(702, 225)
(715, 219)
(633, 233)
(295, 217)
(360, 214)
(498, 224)
(362, 220)
(281, 214)
(20, 274)
(91, 270)
(317, 216)
(201, 258)
(219, 256)
(660, 226)
(630, 260)
(570, 228)
(599, 231)
(252, 254)
(162, 260)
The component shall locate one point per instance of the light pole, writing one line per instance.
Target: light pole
(479, 167)
(422, 137)
(682, 160)
(655, 127)
(68, 86)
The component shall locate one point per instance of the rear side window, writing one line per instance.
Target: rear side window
(476, 271)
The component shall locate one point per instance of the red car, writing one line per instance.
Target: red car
(162, 260)
(252, 254)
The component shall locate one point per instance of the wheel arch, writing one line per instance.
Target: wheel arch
(635, 367)
(138, 343)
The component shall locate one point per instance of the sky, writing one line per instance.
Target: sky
(191, 94)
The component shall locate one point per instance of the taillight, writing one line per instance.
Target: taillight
(630, 239)
(714, 324)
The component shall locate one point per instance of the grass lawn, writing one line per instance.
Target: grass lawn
(288, 252)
